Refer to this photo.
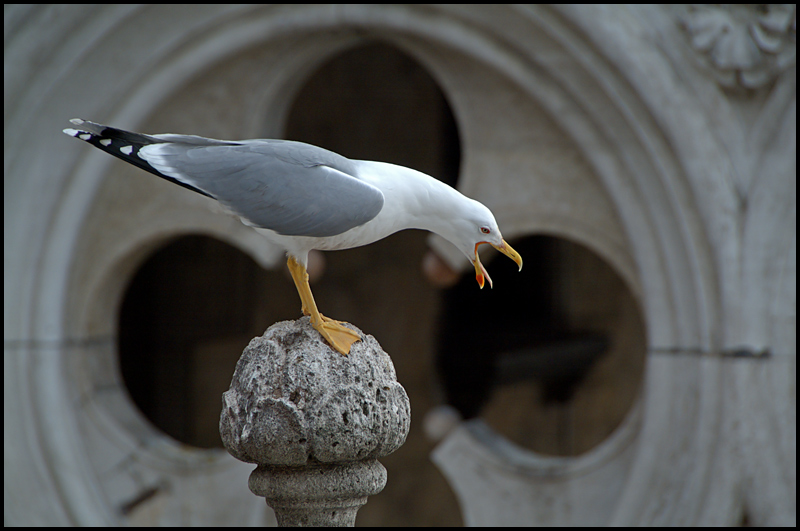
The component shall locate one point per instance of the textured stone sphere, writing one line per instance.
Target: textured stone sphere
(293, 399)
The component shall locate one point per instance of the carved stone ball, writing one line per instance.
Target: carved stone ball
(294, 400)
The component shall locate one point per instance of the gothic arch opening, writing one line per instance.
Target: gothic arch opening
(185, 317)
(554, 364)
(375, 102)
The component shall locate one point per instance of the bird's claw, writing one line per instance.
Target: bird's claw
(337, 335)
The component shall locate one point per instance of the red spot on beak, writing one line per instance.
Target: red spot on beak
(480, 271)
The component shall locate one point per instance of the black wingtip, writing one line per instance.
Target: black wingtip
(122, 144)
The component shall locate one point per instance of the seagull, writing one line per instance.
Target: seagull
(302, 197)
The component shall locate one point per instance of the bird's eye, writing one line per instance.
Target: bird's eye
(485, 230)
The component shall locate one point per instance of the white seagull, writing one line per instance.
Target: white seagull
(302, 197)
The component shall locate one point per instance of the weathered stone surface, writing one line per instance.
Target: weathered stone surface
(293, 399)
(314, 422)
(318, 495)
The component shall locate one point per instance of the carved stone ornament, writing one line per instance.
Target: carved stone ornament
(315, 422)
(744, 45)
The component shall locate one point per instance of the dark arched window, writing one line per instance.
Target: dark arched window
(186, 316)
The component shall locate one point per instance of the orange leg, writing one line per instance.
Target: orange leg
(337, 335)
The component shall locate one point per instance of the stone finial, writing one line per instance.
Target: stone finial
(314, 422)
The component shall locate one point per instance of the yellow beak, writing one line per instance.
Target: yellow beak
(480, 271)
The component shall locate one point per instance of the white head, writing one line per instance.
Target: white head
(470, 224)
(430, 204)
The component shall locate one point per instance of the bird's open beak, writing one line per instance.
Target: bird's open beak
(480, 271)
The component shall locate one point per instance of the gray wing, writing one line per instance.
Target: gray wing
(292, 188)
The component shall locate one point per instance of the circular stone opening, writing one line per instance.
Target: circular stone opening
(185, 318)
(554, 364)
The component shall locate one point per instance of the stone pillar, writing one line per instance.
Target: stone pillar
(315, 422)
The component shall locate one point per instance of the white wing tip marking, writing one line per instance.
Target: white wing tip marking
(127, 150)
(72, 132)
(106, 142)
(76, 121)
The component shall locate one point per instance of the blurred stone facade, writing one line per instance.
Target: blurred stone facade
(655, 144)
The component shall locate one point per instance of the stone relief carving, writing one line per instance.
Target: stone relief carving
(744, 45)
